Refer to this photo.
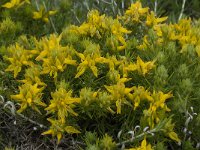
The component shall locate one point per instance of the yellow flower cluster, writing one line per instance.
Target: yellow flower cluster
(61, 104)
(157, 102)
(32, 76)
(187, 35)
(154, 21)
(15, 3)
(19, 57)
(183, 32)
(89, 58)
(58, 129)
(49, 58)
(40, 14)
(135, 13)
(101, 26)
(43, 14)
(29, 96)
(144, 146)
(54, 56)
(118, 93)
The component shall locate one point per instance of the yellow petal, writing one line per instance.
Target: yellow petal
(71, 130)
(94, 70)
(80, 72)
(50, 131)
(198, 50)
(70, 62)
(174, 136)
(118, 105)
(81, 56)
(144, 143)
(52, 12)
(59, 136)
(37, 15)
(8, 5)
(161, 19)
(23, 106)
(17, 97)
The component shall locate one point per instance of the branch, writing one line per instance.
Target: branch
(155, 7)
(10, 105)
(137, 137)
(182, 10)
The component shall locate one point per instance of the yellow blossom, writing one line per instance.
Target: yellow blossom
(15, 3)
(58, 128)
(95, 25)
(144, 67)
(98, 25)
(156, 104)
(169, 131)
(135, 12)
(144, 146)
(32, 76)
(29, 96)
(118, 93)
(118, 31)
(139, 93)
(62, 104)
(89, 58)
(43, 14)
(55, 57)
(152, 20)
(18, 58)
(141, 66)
(144, 45)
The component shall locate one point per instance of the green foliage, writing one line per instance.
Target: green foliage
(112, 79)
(92, 142)
(9, 30)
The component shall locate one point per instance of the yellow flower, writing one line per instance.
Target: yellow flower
(118, 31)
(169, 131)
(153, 21)
(15, 3)
(32, 76)
(118, 93)
(29, 96)
(112, 62)
(47, 45)
(58, 128)
(55, 57)
(96, 21)
(144, 67)
(89, 58)
(86, 61)
(141, 66)
(144, 45)
(43, 14)
(139, 93)
(19, 57)
(172, 135)
(97, 25)
(144, 146)
(135, 12)
(62, 104)
(156, 104)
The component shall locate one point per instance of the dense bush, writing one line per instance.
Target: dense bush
(129, 81)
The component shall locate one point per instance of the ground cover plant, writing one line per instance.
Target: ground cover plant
(128, 79)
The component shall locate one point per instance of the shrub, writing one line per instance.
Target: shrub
(125, 81)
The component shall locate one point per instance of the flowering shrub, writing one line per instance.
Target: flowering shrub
(108, 77)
